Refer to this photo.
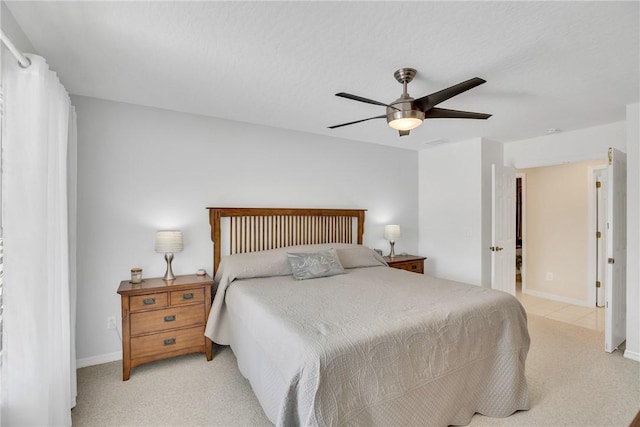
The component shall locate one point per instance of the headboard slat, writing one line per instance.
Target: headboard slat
(257, 229)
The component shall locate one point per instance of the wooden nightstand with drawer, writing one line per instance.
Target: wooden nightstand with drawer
(407, 262)
(164, 319)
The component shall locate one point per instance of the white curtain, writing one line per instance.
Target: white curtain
(38, 218)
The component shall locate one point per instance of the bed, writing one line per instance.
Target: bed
(363, 344)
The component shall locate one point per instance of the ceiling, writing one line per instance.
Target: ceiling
(565, 65)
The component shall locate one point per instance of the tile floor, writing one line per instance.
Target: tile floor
(586, 317)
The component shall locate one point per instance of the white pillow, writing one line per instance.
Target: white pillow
(254, 264)
(359, 256)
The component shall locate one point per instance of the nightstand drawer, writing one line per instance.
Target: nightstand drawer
(170, 318)
(171, 341)
(192, 296)
(416, 267)
(148, 302)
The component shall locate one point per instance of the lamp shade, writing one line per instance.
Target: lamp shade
(391, 232)
(169, 241)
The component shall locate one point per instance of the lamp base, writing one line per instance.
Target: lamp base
(168, 275)
(392, 253)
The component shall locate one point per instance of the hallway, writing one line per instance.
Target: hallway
(586, 317)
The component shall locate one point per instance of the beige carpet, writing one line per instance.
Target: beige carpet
(572, 382)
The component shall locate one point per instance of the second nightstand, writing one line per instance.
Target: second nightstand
(412, 263)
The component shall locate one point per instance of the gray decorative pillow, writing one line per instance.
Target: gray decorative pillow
(310, 265)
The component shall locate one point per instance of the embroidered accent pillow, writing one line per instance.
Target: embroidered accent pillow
(310, 265)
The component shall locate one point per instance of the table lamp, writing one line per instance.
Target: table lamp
(168, 242)
(391, 233)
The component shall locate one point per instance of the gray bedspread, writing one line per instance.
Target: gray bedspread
(378, 346)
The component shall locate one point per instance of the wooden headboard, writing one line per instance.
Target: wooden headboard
(259, 229)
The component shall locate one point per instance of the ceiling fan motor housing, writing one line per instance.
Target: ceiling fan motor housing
(403, 108)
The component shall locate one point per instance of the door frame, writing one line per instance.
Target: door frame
(523, 221)
(591, 253)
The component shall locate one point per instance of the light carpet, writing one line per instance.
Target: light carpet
(572, 382)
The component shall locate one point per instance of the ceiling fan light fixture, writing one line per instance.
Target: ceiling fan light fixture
(405, 120)
(406, 123)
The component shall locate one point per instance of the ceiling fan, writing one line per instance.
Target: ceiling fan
(406, 113)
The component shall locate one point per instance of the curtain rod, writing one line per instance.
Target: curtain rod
(22, 60)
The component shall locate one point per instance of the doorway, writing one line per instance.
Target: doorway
(520, 197)
(554, 229)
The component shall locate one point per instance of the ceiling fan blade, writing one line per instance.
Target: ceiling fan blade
(443, 113)
(358, 121)
(361, 99)
(429, 101)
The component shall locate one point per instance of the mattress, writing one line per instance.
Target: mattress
(375, 346)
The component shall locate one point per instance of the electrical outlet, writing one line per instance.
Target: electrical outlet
(111, 322)
(549, 276)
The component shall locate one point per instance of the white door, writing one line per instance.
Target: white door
(616, 290)
(503, 224)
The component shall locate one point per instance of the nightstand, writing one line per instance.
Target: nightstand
(164, 319)
(412, 263)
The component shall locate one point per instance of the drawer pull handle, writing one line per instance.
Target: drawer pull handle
(414, 266)
(170, 318)
(170, 341)
(149, 301)
(187, 296)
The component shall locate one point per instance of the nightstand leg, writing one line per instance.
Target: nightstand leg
(208, 348)
(126, 370)
(126, 341)
(208, 344)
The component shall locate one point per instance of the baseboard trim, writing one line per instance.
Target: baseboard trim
(632, 355)
(558, 298)
(98, 360)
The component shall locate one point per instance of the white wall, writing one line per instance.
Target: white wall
(455, 209)
(577, 146)
(632, 350)
(141, 169)
(450, 213)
